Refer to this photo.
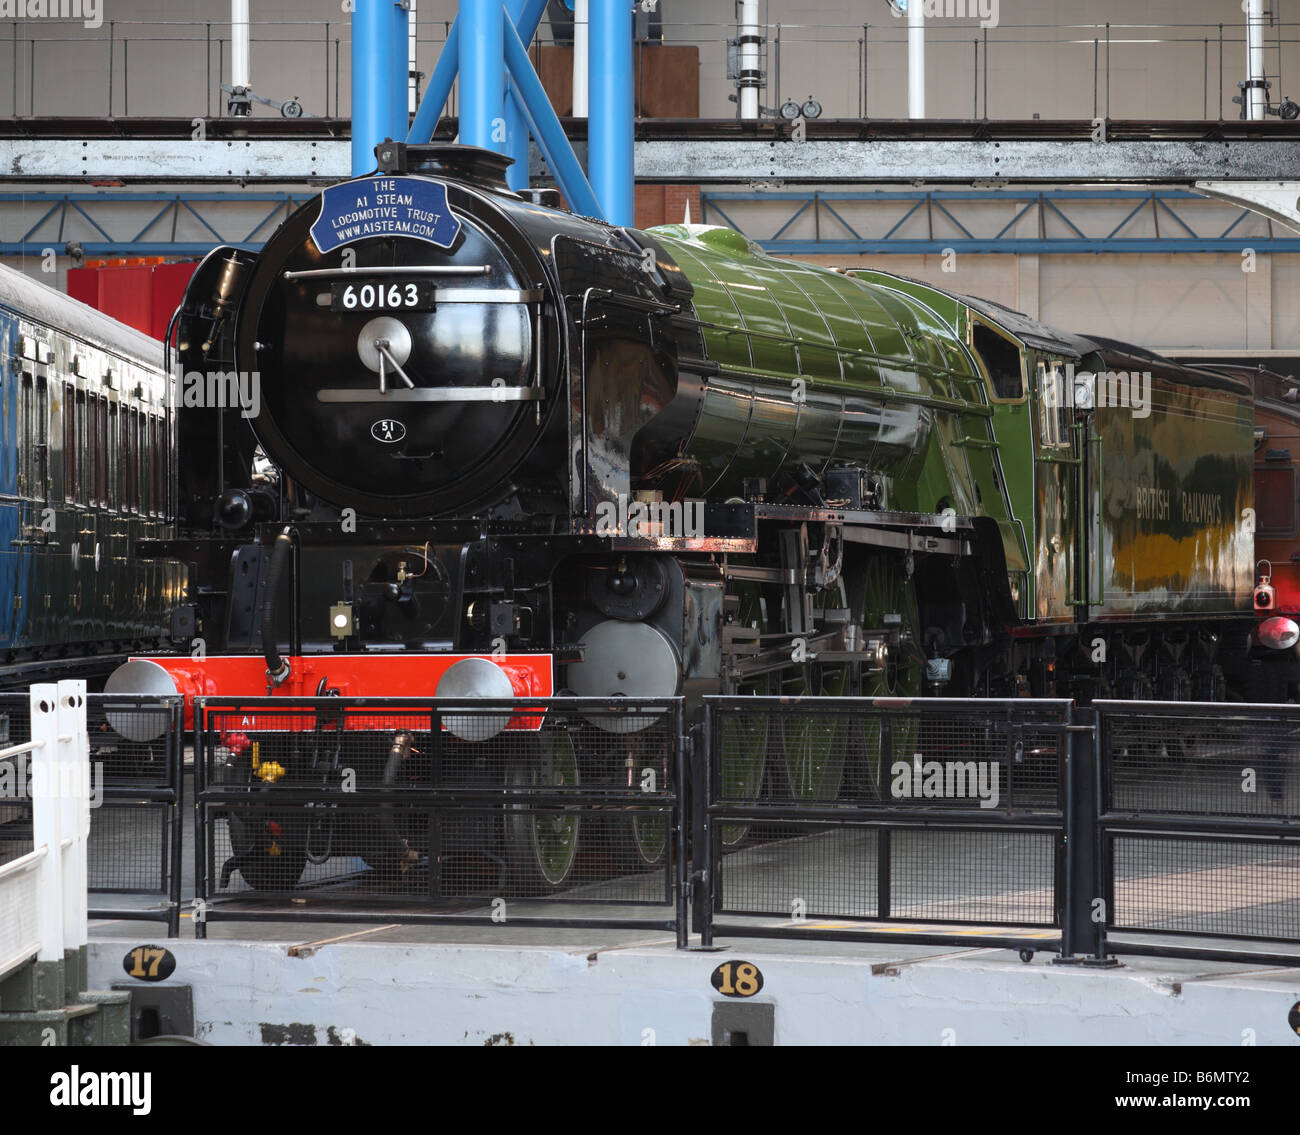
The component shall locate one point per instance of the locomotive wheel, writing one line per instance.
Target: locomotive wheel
(744, 757)
(641, 838)
(874, 750)
(541, 846)
(647, 838)
(813, 748)
(745, 737)
(270, 848)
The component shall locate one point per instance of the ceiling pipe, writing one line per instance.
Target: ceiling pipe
(915, 60)
(240, 67)
(1254, 91)
(750, 76)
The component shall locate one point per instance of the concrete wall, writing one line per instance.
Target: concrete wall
(1040, 58)
(1170, 303)
(387, 994)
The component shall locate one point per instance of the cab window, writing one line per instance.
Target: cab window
(1053, 405)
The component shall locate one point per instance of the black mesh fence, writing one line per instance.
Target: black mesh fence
(559, 811)
(852, 810)
(929, 820)
(1199, 812)
(133, 856)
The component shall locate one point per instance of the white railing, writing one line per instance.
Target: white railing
(43, 893)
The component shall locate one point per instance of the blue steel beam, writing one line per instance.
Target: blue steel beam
(516, 125)
(482, 74)
(609, 117)
(1028, 246)
(378, 77)
(446, 70)
(546, 128)
(1045, 200)
(55, 209)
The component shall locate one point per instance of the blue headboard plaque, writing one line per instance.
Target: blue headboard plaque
(410, 207)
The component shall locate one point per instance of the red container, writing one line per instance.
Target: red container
(142, 292)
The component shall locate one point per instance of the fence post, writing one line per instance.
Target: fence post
(1083, 939)
(73, 793)
(702, 829)
(201, 819)
(46, 820)
(681, 876)
(176, 749)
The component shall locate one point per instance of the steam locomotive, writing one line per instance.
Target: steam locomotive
(497, 449)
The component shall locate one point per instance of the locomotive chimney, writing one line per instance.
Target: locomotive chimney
(472, 164)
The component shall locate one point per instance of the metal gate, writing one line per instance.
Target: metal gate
(134, 850)
(1199, 821)
(926, 812)
(554, 812)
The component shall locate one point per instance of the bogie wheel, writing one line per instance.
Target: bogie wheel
(270, 847)
(541, 846)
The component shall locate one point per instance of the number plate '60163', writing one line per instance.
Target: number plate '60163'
(383, 295)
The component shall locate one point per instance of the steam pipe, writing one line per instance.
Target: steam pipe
(277, 668)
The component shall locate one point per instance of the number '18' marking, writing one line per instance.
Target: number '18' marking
(737, 979)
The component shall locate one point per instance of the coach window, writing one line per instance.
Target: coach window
(113, 458)
(98, 453)
(69, 443)
(133, 459)
(1001, 357)
(41, 442)
(159, 465)
(83, 466)
(25, 393)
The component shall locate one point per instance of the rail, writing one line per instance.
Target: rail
(171, 67)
